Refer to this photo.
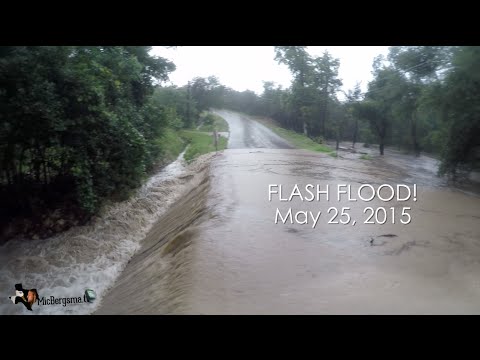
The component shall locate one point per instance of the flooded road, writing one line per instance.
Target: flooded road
(218, 249)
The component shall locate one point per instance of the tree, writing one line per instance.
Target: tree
(327, 83)
(459, 100)
(182, 107)
(77, 124)
(371, 111)
(353, 97)
(299, 63)
(206, 92)
(382, 92)
(421, 66)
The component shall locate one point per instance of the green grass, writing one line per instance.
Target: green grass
(366, 157)
(200, 143)
(172, 145)
(218, 123)
(298, 140)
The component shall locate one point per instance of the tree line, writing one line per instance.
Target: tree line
(78, 124)
(421, 98)
(82, 124)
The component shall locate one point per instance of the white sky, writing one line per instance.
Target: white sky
(246, 67)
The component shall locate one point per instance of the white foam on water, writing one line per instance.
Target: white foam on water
(90, 256)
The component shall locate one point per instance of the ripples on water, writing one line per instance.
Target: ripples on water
(239, 261)
(90, 256)
(218, 251)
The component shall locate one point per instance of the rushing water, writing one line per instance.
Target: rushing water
(219, 251)
(90, 256)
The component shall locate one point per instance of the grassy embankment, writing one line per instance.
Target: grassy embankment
(298, 140)
(201, 141)
(213, 122)
(172, 145)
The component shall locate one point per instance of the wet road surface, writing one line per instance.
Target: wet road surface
(247, 133)
(219, 251)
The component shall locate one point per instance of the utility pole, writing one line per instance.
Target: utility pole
(188, 104)
(215, 139)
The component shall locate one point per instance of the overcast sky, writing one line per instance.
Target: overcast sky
(246, 67)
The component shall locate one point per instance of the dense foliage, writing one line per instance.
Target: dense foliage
(421, 98)
(77, 124)
(427, 98)
(82, 124)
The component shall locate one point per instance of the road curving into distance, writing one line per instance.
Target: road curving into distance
(217, 250)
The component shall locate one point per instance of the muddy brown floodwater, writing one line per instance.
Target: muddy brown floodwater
(219, 251)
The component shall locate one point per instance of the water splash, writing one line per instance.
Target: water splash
(90, 256)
